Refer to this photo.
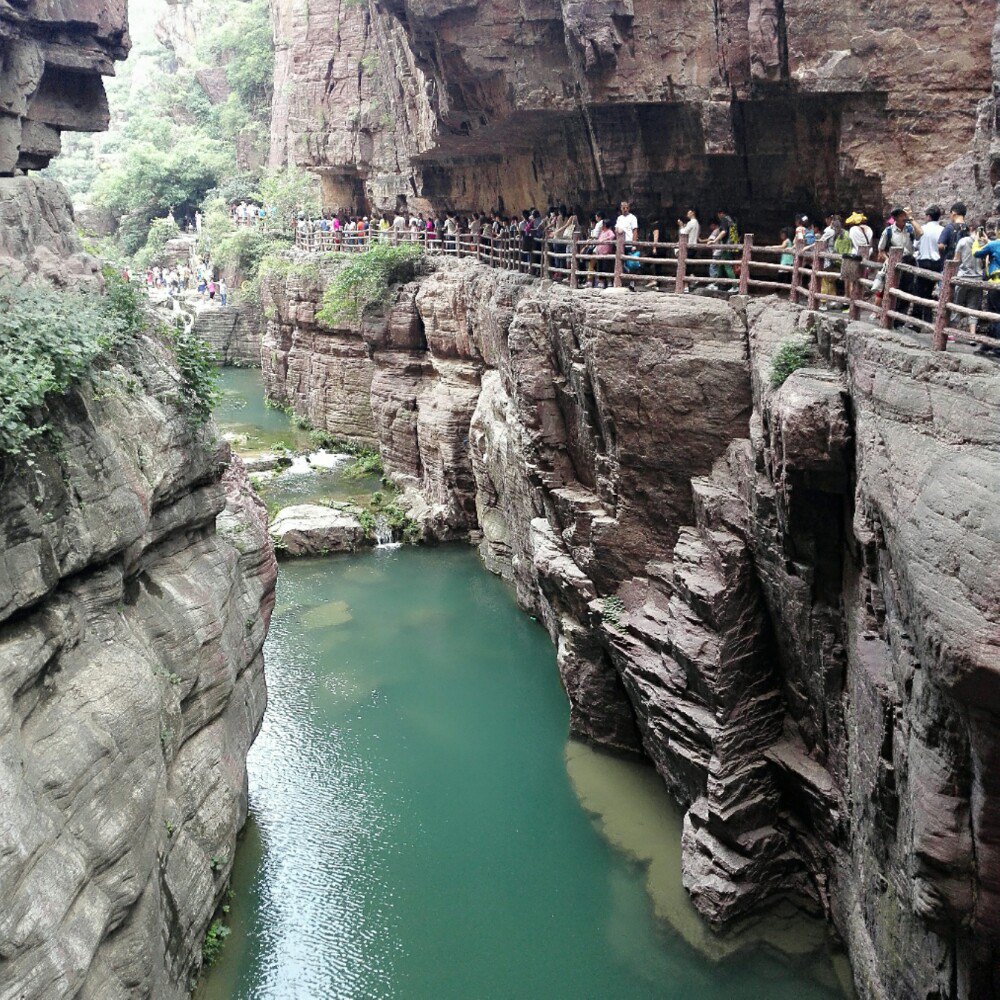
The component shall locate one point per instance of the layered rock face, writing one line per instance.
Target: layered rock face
(765, 108)
(786, 598)
(37, 240)
(324, 374)
(136, 586)
(53, 54)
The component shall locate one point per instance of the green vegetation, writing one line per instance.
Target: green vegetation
(367, 462)
(215, 938)
(790, 356)
(49, 341)
(612, 609)
(175, 131)
(365, 280)
(386, 506)
(199, 368)
(161, 232)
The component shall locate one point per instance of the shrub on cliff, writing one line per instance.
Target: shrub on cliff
(49, 340)
(365, 280)
(790, 356)
(161, 232)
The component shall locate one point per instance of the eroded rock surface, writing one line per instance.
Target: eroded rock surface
(136, 587)
(53, 54)
(764, 106)
(787, 598)
(310, 529)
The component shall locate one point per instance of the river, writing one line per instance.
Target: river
(421, 827)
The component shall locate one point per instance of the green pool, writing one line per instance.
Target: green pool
(421, 829)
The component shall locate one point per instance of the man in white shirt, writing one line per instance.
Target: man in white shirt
(691, 229)
(626, 223)
(929, 258)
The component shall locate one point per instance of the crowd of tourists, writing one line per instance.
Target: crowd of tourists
(177, 280)
(926, 243)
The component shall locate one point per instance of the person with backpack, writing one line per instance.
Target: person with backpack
(902, 234)
(928, 259)
(955, 230)
(969, 296)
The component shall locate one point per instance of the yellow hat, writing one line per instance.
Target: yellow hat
(855, 218)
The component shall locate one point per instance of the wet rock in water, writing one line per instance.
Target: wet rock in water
(310, 529)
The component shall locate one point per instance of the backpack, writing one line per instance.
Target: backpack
(956, 232)
(842, 244)
(734, 233)
(632, 264)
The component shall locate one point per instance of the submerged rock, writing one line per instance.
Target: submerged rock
(310, 529)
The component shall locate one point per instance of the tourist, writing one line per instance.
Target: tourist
(901, 234)
(211, 289)
(787, 259)
(830, 236)
(956, 229)
(690, 227)
(604, 249)
(626, 223)
(223, 292)
(990, 254)
(398, 227)
(928, 259)
(970, 268)
(860, 233)
(450, 233)
(726, 235)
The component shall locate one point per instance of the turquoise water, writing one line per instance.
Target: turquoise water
(243, 414)
(255, 428)
(421, 829)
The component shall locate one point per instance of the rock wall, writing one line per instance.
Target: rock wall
(787, 598)
(766, 108)
(136, 586)
(53, 54)
(324, 374)
(231, 332)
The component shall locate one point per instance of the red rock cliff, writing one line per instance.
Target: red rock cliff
(765, 106)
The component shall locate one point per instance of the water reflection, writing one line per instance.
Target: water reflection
(415, 833)
(634, 812)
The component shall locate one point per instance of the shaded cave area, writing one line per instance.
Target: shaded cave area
(764, 161)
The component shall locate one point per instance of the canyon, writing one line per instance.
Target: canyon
(785, 597)
(136, 585)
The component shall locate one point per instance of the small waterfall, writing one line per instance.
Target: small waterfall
(383, 533)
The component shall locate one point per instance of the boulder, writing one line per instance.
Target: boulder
(310, 529)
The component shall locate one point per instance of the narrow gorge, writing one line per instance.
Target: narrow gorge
(472, 631)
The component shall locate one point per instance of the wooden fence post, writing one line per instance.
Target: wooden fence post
(797, 250)
(745, 264)
(889, 289)
(545, 257)
(814, 274)
(682, 256)
(573, 248)
(944, 300)
(619, 259)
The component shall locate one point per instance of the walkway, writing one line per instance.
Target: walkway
(817, 278)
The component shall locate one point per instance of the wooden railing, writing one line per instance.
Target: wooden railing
(741, 267)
